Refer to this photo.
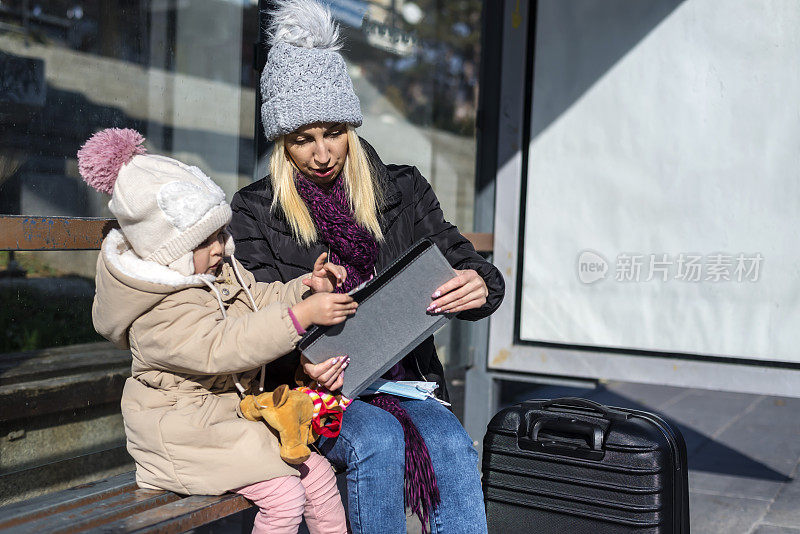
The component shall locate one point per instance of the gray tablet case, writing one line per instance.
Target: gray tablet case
(391, 319)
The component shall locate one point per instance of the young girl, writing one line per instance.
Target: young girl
(200, 329)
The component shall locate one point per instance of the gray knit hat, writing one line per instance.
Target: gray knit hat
(305, 78)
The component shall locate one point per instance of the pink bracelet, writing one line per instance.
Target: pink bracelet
(296, 323)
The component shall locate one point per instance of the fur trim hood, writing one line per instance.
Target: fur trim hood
(124, 277)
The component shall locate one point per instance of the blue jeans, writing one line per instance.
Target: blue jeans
(371, 448)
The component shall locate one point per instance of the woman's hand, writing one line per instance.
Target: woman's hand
(324, 309)
(464, 292)
(328, 373)
(326, 276)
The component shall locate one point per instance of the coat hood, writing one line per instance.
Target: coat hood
(128, 286)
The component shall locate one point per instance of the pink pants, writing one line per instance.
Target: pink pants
(283, 501)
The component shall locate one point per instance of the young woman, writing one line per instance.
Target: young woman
(329, 192)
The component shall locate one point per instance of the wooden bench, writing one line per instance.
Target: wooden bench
(115, 504)
(22, 232)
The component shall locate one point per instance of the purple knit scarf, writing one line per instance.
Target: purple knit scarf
(353, 247)
(420, 489)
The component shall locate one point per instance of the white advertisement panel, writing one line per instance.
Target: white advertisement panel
(662, 202)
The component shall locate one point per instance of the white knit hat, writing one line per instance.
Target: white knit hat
(165, 208)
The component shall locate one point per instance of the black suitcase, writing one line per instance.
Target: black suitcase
(572, 466)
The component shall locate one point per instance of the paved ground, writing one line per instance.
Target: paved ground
(744, 452)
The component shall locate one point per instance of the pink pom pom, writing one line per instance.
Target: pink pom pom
(104, 154)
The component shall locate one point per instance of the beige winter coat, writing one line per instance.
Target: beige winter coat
(180, 405)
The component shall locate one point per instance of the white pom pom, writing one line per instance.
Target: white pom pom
(303, 23)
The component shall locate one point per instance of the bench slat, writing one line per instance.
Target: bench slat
(117, 505)
(23, 232)
(483, 242)
(33, 509)
(94, 514)
(178, 516)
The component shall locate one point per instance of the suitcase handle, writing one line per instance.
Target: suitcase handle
(565, 436)
(577, 402)
(562, 428)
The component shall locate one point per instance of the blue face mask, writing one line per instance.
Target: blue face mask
(405, 388)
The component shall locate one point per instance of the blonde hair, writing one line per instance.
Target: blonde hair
(360, 182)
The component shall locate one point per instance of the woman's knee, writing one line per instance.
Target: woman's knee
(380, 436)
(454, 444)
(447, 438)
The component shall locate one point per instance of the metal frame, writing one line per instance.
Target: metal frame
(504, 45)
(509, 358)
(503, 108)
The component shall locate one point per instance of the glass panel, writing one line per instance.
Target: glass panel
(414, 67)
(178, 71)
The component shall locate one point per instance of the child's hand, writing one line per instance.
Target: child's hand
(326, 276)
(324, 309)
(327, 373)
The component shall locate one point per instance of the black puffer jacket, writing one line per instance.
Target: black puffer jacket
(410, 212)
